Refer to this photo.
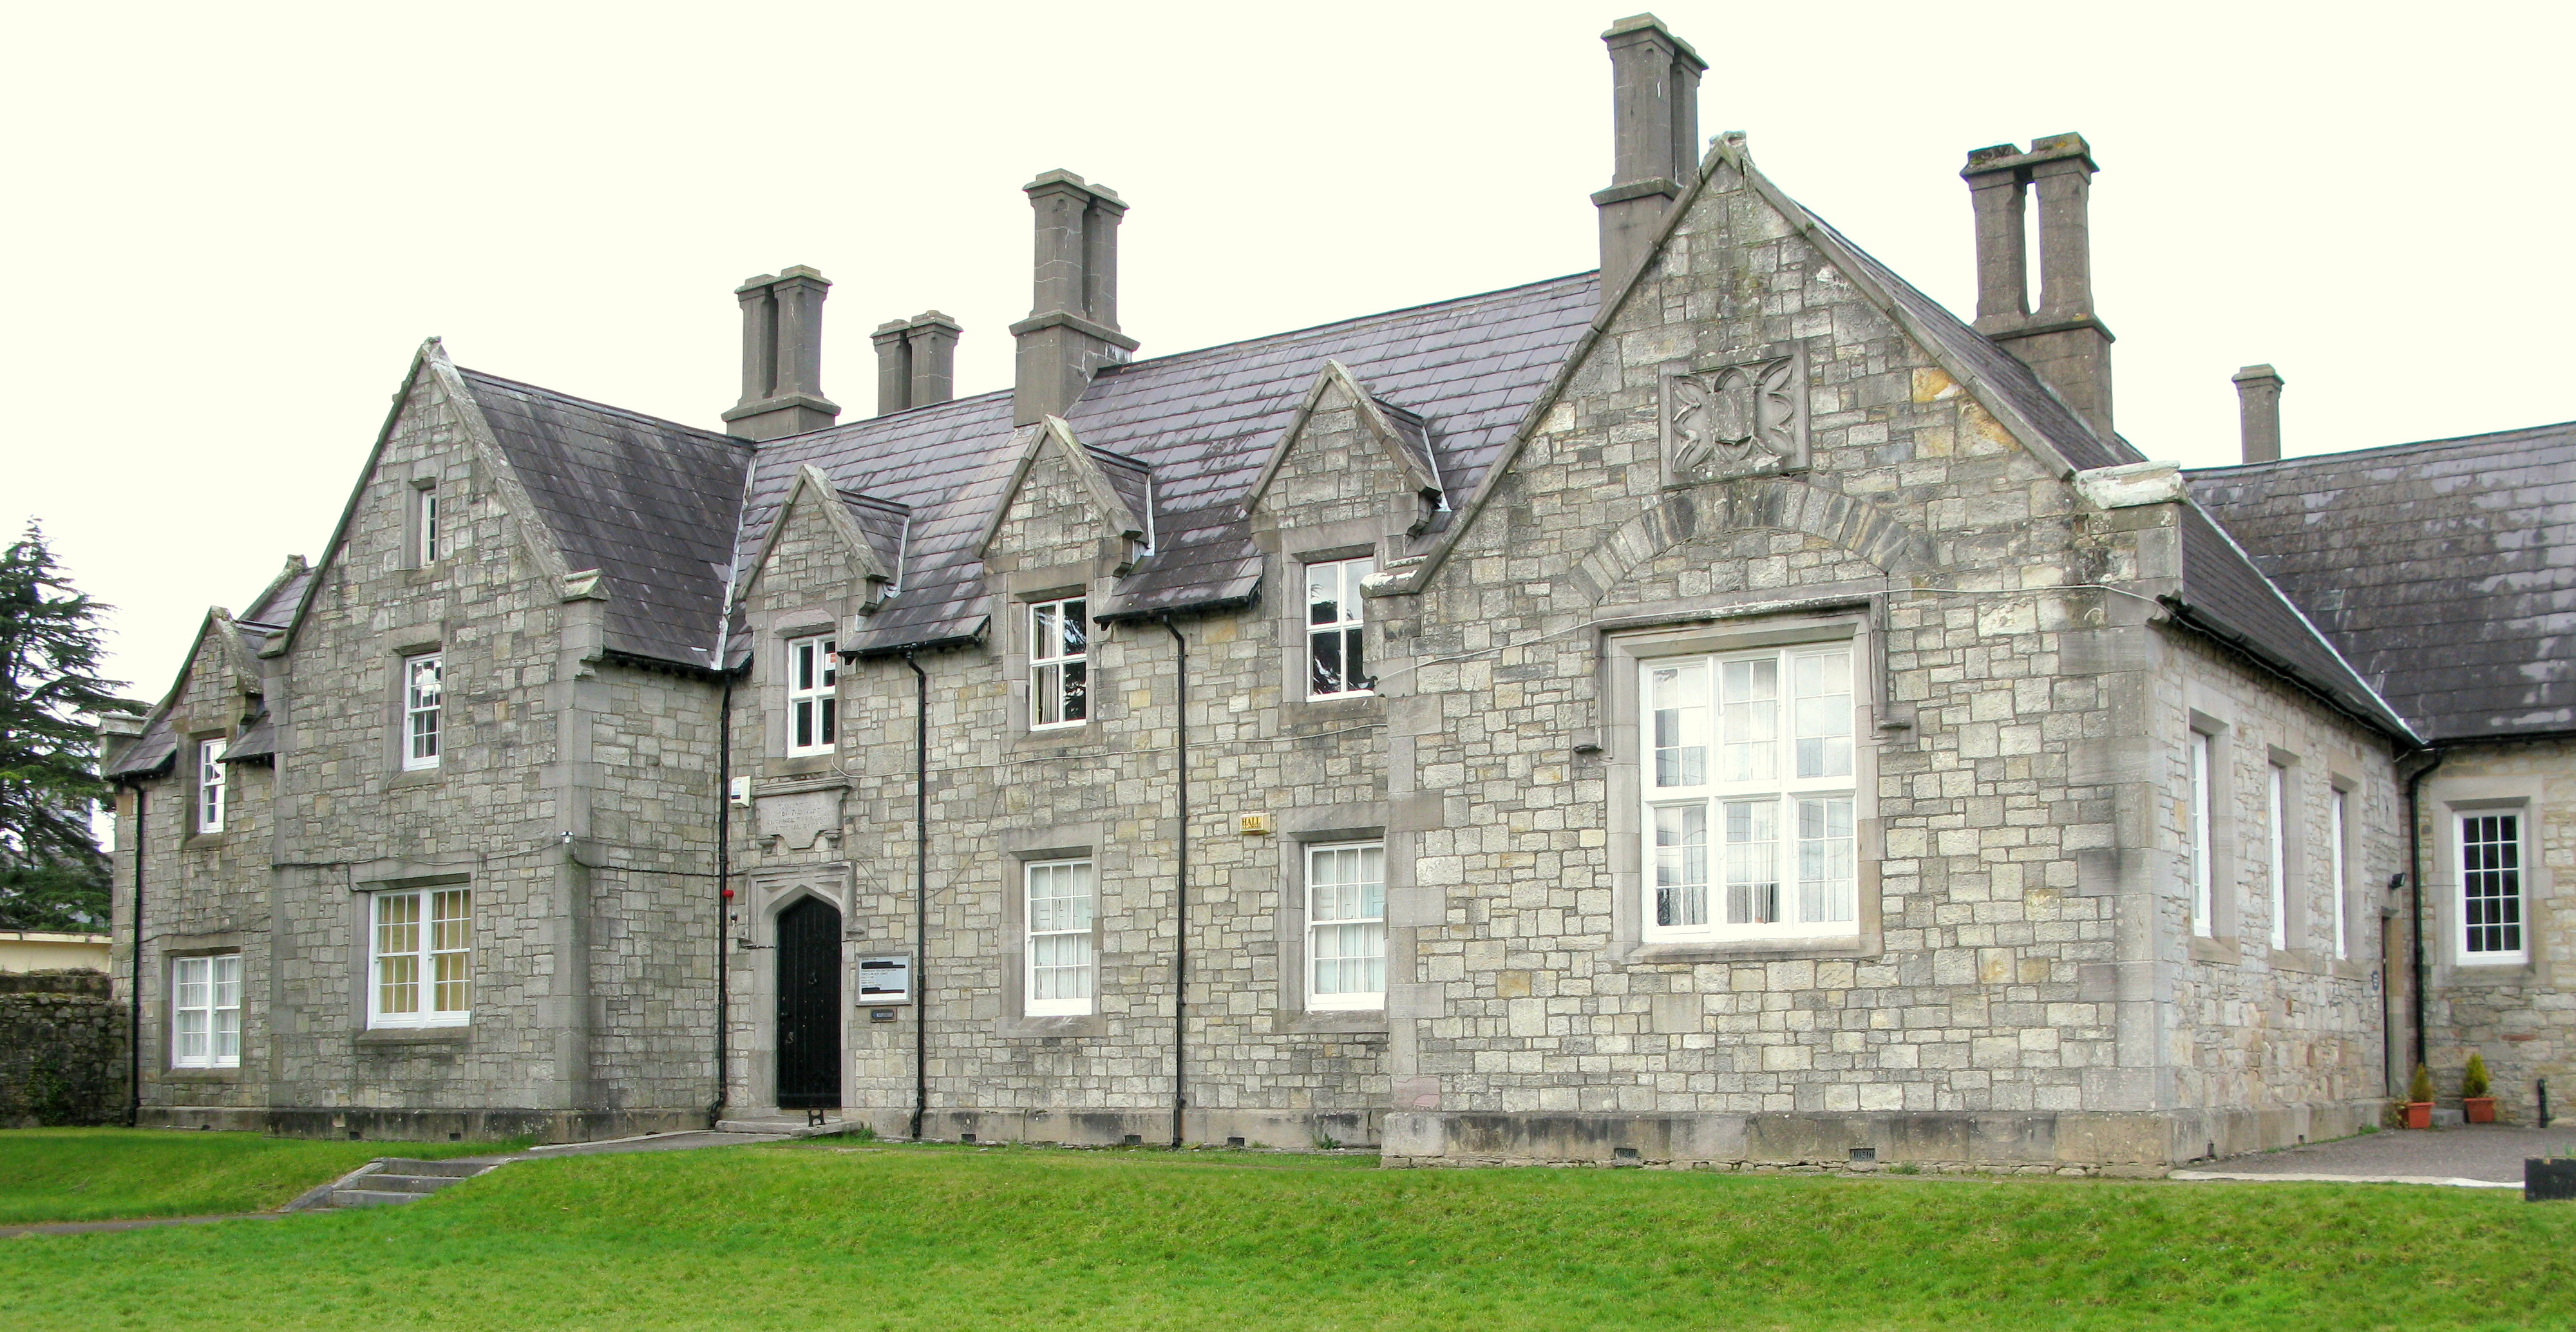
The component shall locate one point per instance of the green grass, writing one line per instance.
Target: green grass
(892, 1237)
(104, 1174)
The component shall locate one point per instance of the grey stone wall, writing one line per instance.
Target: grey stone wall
(62, 1050)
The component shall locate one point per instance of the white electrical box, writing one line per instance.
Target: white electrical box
(741, 793)
(885, 980)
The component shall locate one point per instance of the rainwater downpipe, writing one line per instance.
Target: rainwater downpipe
(1181, 883)
(134, 1018)
(2415, 901)
(920, 893)
(724, 897)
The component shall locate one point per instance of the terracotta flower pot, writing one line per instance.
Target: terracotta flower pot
(2419, 1114)
(2481, 1109)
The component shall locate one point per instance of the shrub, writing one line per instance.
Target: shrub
(2421, 1089)
(2473, 1081)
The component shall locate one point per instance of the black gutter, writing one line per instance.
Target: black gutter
(134, 1019)
(2193, 616)
(1181, 883)
(920, 894)
(2415, 899)
(724, 899)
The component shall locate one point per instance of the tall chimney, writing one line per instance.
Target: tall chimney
(2063, 342)
(2258, 412)
(916, 361)
(1072, 328)
(1654, 117)
(782, 356)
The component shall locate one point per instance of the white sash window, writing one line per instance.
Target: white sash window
(1749, 795)
(421, 945)
(2203, 884)
(1335, 665)
(1059, 663)
(1059, 938)
(813, 696)
(1346, 926)
(2491, 924)
(423, 710)
(205, 1011)
(210, 786)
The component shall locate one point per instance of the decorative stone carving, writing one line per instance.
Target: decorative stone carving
(1740, 414)
(801, 817)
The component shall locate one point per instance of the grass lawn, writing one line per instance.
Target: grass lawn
(101, 1174)
(841, 1236)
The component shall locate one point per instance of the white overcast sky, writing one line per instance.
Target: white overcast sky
(228, 226)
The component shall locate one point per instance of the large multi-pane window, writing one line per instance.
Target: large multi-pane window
(421, 949)
(1059, 937)
(1346, 926)
(2203, 881)
(210, 786)
(1749, 794)
(813, 695)
(2491, 888)
(2338, 816)
(1336, 663)
(1059, 663)
(205, 1011)
(2276, 834)
(423, 709)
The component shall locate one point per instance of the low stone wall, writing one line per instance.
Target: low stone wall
(62, 1050)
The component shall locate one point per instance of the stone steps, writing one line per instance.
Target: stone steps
(394, 1181)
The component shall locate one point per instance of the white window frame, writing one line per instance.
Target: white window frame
(205, 1011)
(1800, 809)
(1057, 940)
(2339, 827)
(213, 798)
(425, 525)
(2201, 835)
(1348, 912)
(1059, 673)
(1344, 616)
(813, 695)
(420, 957)
(2465, 936)
(2276, 848)
(424, 713)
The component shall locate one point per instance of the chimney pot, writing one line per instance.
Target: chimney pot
(894, 367)
(782, 356)
(1072, 328)
(2258, 412)
(2063, 342)
(1654, 115)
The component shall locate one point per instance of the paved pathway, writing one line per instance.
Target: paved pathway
(658, 1142)
(2479, 1154)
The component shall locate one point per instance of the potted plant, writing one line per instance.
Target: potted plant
(2474, 1098)
(2419, 1100)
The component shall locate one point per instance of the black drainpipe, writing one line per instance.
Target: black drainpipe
(2415, 900)
(1180, 884)
(920, 893)
(724, 895)
(134, 1020)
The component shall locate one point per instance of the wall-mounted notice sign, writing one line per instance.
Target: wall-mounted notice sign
(885, 980)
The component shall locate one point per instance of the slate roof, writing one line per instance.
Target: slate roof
(651, 504)
(158, 746)
(2446, 569)
(1202, 422)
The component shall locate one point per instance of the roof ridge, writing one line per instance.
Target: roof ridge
(630, 413)
(2484, 437)
(1123, 367)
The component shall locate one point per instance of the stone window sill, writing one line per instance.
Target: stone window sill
(214, 1075)
(2223, 952)
(2498, 974)
(1753, 950)
(1087, 1024)
(403, 777)
(415, 1036)
(1330, 1022)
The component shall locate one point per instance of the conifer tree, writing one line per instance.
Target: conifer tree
(52, 874)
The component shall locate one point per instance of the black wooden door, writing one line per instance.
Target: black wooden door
(809, 1006)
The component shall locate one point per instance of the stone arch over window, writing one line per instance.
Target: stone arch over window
(1782, 503)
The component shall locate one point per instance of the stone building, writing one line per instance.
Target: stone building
(1723, 708)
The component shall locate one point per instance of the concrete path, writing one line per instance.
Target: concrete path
(652, 1142)
(2473, 1156)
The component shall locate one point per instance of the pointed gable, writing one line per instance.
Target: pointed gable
(859, 542)
(1116, 491)
(1399, 437)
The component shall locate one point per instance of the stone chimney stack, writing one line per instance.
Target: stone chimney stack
(1654, 117)
(1072, 328)
(916, 361)
(2258, 411)
(2064, 342)
(782, 356)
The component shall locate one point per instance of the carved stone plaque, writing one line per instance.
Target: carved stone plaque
(1743, 414)
(801, 817)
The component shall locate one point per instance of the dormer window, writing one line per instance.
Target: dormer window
(1335, 665)
(813, 695)
(210, 786)
(1059, 663)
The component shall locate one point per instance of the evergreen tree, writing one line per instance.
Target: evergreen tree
(52, 874)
